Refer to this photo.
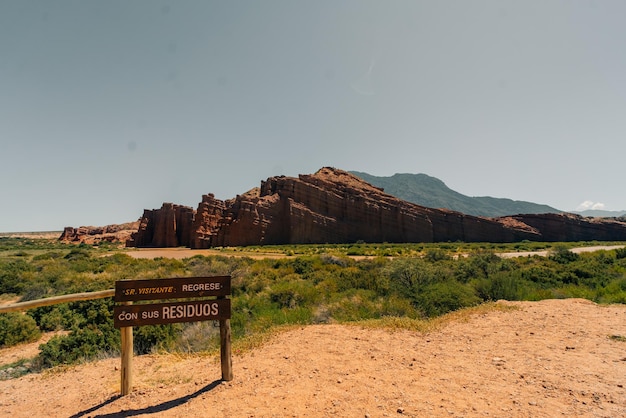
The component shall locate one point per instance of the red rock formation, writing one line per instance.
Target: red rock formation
(96, 234)
(333, 206)
(169, 226)
(207, 221)
(330, 206)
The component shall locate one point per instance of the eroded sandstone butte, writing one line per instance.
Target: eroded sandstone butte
(333, 206)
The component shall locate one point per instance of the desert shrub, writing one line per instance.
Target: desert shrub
(351, 277)
(482, 262)
(575, 291)
(154, 337)
(443, 297)
(303, 265)
(79, 253)
(335, 260)
(464, 271)
(36, 290)
(364, 275)
(399, 307)
(563, 255)
(81, 344)
(11, 273)
(326, 282)
(613, 298)
(16, 328)
(49, 255)
(91, 335)
(355, 305)
(613, 292)
(55, 317)
(408, 275)
(543, 276)
(538, 293)
(197, 336)
(437, 254)
(298, 315)
(293, 293)
(215, 265)
(501, 285)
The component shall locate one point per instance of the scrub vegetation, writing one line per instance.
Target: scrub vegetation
(389, 283)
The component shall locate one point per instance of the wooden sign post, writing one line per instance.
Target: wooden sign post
(126, 315)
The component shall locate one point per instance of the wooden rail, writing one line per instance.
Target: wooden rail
(74, 297)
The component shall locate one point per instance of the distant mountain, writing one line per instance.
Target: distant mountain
(431, 192)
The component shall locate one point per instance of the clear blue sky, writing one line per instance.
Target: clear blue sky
(110, 107)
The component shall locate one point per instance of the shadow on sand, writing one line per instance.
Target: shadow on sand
(155, 409)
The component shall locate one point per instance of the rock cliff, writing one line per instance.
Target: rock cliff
(334, 206)
(169, 226)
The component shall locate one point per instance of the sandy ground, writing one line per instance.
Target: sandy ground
(546, 359)
(577, 250)
(180, 253)
(33, 235)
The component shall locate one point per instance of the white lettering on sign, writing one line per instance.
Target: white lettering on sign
(150, 315)
(201, 286)
(150, 290)
(127, 316)
(190, 311)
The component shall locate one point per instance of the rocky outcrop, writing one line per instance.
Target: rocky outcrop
(169, 226)
(334, 206)
(96, 234)
(207, 221)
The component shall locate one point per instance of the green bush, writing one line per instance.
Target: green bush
(443, 297)
(293, 293)
(50, 255)
(81, 344)
(11, 273)
(355, 305)
(16, 328)
(197, 337)
(501, 285)
(563, 255)
(408, 275)
(56, 317)
(92, 334)
(437, 254)
(154, 337)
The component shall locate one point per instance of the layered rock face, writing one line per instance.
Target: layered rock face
(333, 206)
(169, 226)
(571, 227)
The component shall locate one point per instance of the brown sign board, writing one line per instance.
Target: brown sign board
(169, 313)
(172, 288)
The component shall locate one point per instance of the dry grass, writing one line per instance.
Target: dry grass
(433, 324)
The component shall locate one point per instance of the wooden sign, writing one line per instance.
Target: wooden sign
(173, 288)
(126, 315)
(169, 313)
